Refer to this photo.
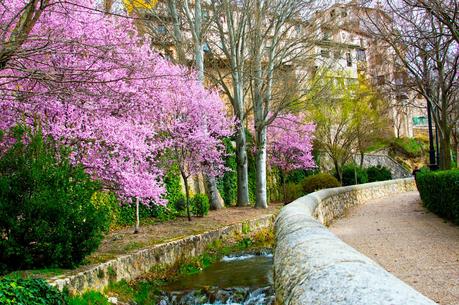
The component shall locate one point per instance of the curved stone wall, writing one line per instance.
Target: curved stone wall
(131, 266)
(313, 266)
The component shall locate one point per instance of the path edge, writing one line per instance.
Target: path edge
(313, 266)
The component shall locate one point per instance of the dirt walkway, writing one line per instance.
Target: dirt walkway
(415, 245)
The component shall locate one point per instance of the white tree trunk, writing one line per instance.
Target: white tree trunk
(261, 196)
(242, 168)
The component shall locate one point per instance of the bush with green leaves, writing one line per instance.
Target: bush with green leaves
(227, 185)
(48, 219)
(378, 173)
(293, 191)
(319, 181)
(353, 174)
(89, 298)
(439, 192)
(410, 147)
(19, 291)
(200, 205)
(173, 187)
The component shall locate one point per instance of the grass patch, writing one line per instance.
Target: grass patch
(378, 145)
(39, 273)
(98, 258)
(413, 148)
(89, 298)
(134, 245)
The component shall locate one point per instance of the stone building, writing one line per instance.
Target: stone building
(347, 47)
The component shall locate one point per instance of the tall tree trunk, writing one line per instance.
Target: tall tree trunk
(215, 199)
(181, 57)
(445, 150)
(137, 216)
(242, 167)
(261, 196)
(338, 171)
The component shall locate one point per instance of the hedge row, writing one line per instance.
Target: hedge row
(353, 174)
(440, 192)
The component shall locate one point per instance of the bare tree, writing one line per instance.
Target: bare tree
(229, 59)
(280, 43)
(426, 48)
(445, 11)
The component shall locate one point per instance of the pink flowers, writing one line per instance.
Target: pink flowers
(290, 143)
(95, 85)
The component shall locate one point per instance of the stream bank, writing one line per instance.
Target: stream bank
(236, 270)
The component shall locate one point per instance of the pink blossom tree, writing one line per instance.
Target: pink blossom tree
(192, 127)
(290, 144)
(95, 85)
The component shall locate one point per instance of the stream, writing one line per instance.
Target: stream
(238, 279)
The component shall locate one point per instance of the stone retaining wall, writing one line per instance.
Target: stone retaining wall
(313, 266)
(131, 266)
(396, 169)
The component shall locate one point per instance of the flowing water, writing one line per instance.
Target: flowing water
(240, 279)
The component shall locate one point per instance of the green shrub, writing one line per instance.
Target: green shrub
(440, 192)
(319, 181)
(28, 292)
(410, 147)
(89, 298)
(351, 172)
(227, 185)
(180, 204)
(173, 186)
(293, 191)
(108, 201)
(162, 213)
(298, 175)
(378, 173)
(47, 217)
(200, 205)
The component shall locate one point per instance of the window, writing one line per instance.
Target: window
(361, 55)
(419, 121)
(206, 47)
(161, 29)
(337, 54)
(326, 35)
(349, 59)
(344, 13)
(325, 53)
(332, 13)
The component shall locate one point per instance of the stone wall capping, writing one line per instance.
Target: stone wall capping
(313, 266)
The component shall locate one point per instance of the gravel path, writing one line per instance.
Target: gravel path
(413, 244)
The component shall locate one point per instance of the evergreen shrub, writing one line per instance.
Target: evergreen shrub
(319, 181)
(200, 205)
(439, 192)
(378, 173)
(47, 216)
